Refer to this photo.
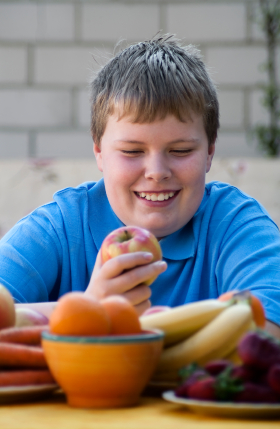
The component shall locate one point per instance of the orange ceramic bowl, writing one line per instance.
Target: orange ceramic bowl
(102, 372)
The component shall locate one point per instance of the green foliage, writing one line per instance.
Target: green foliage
(268, 136)
(268, 139)
(226, 386)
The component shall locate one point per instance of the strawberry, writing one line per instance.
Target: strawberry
(223, 387)
(183, 389)
(243, 373)
(215, 367)
(256, 393)
(273, 378)
(258, 350)
(190, 375)
(203, 389)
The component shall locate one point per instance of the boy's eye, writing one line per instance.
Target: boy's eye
(131, 152)
(181, 152)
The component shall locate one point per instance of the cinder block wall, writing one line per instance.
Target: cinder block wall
(46, 59)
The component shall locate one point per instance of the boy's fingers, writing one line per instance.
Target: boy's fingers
(136, 277)
(138, 294)
(98, 262)
(141, 308)
(115, 266)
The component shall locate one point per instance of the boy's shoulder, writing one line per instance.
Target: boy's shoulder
(82, 188)
(229, 201)
(224, 188)
(225, 192)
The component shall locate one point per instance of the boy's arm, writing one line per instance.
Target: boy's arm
(45, 308)
(249, 259)
(30, 258)
(112, 280)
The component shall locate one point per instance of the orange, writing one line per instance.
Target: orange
(255, 303)
(79, 314)
(123, 316)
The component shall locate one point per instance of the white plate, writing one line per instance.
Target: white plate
(25, 393)
(226, 409)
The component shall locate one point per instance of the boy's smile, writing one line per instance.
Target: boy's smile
(154, 173)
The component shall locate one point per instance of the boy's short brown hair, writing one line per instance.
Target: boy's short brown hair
(150, 80)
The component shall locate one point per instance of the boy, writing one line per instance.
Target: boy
(155, 118)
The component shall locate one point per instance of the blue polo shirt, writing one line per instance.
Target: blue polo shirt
(230, 243)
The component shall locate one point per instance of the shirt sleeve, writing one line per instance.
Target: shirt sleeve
(31, 256)
(249, 258)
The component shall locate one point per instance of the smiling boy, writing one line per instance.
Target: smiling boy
(155, 118)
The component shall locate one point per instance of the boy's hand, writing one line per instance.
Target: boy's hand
(125, 275)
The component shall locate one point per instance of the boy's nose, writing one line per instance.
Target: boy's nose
(157, 169)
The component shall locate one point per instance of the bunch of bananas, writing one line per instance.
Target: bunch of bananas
(199, 332)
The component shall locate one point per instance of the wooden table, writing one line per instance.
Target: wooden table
(151, 413)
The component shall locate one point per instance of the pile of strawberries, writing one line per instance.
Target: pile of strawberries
(255, 380)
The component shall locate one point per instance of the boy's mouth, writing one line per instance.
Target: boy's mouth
(159, 196)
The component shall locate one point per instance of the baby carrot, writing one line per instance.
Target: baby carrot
(23, 335)
(15, 355)
(25, 377)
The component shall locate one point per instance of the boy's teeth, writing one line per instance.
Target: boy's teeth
(156, 197)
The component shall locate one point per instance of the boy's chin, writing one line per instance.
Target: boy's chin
(160, 232)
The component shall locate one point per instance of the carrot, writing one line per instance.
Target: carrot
(21, 355)
(258, 311)
(23, 335)
(25, 377)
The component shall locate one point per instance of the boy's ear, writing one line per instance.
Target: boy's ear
(211, 151)
(98, 156)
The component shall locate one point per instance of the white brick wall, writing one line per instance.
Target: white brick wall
(46, 60)
(63, 65)
(13, 65)
(65, 145)
(232, 108)
(113, 21)
(55, 22)
(34, 108)
(258, 114)
(237, 65)
(207, 22)
(13, 145)
(33, 22)
(18, 21)
(83, 108)
(230, 143)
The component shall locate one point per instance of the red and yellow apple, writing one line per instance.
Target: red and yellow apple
(129, 239)
(28, 317)
(7, 308)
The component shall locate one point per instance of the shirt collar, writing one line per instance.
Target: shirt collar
(179, 245)
(102, 220)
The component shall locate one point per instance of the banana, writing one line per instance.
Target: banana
(183, 321)
(233, 355)
(216, 340)
(234, 358)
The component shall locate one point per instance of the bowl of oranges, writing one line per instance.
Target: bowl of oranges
(98, 353)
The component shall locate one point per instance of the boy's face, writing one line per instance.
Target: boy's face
(154, 173)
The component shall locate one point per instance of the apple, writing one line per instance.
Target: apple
(7, 308)
(129, 239)
(28, 317)
(156, 309)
